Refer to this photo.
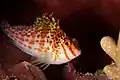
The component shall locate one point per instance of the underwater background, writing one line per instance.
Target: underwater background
(86, 20)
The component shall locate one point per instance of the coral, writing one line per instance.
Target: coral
(71, 74)
(3, 75)
(113, 50)
(27, 71)
(22, 71)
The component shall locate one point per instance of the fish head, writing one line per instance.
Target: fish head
(68, 52)
(71, 45)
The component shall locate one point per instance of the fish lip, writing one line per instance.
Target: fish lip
(78, 53)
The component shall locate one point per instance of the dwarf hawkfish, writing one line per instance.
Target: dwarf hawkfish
(44, 40)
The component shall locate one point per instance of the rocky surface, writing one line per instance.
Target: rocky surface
(70, 73)
(3, 75)
(22, 71)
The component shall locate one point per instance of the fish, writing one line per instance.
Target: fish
(44, 40)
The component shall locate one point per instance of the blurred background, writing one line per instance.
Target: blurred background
(86, 20)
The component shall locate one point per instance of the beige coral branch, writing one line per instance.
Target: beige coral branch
(109, 46)
(113, 50)
(118, 52)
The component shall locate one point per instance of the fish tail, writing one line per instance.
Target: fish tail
(4, 24)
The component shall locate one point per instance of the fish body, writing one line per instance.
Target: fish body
(44, 40)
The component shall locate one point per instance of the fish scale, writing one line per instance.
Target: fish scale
(44, 40)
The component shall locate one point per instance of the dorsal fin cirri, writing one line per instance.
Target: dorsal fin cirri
(47, 21)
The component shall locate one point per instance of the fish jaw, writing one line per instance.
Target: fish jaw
(65, 55)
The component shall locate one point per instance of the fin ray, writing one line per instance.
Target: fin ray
(46, 20)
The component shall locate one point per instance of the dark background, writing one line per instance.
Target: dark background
(86, 20)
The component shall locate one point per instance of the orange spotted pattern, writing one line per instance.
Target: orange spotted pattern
(44, 35)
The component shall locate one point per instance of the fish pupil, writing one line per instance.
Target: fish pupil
(67, 43)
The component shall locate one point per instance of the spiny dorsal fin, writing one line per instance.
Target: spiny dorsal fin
(46, 20)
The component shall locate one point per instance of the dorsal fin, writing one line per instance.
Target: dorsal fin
(46, 20)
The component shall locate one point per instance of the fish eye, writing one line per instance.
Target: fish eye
(67, 42)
